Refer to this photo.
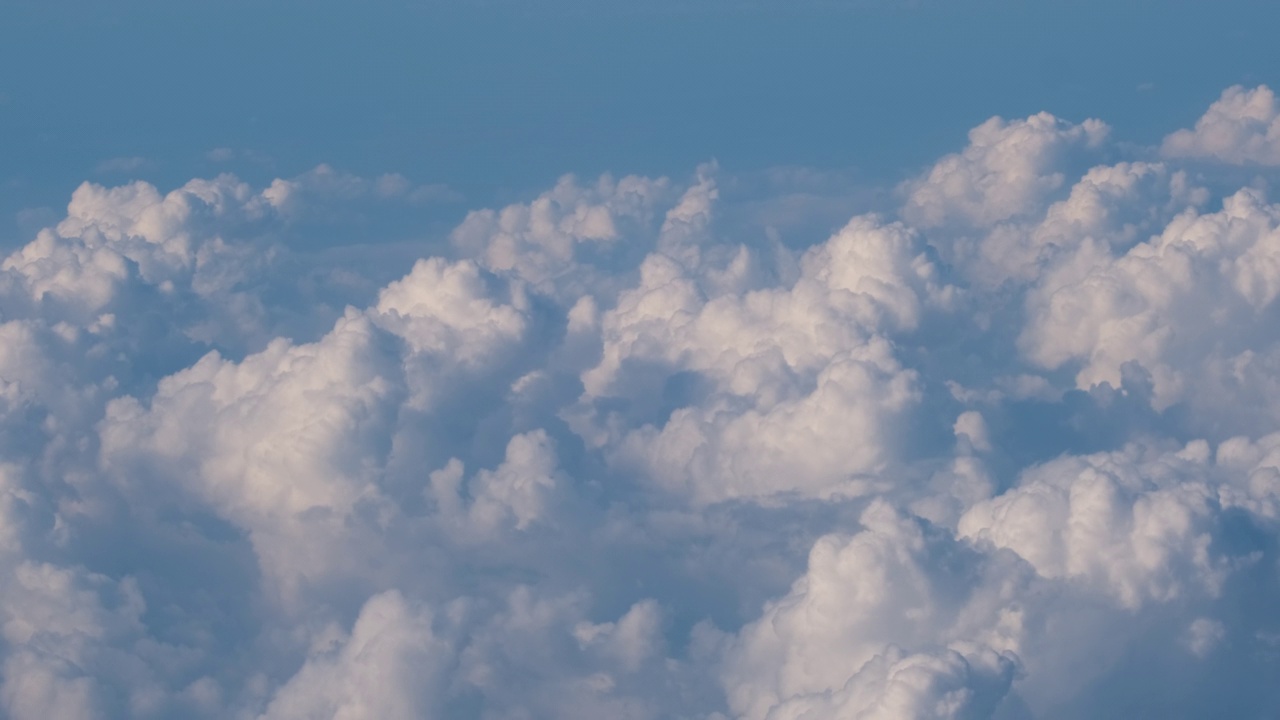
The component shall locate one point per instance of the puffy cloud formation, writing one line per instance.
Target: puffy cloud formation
(834, 646)
(1005, 172)
(388, 667)
(1189, 306)
(1008, 451)
(558, 242)
(804, 392)
(1241, 128)
(131, 234)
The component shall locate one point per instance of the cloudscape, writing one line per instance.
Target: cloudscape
(988, 433)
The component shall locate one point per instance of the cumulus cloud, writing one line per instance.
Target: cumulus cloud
(389, 666)
(1008, 451)
(1115, 521)
(108, 232)
(1007, 169)
(1241, 128)
(802, 388)
(565, 241)
(300, 529)
(517, 493)
(865, 633)
(1176, 305)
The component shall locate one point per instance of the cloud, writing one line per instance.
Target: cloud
(1241, 128)
(778, 365)
(1138, 530)
(444, 308)
(1111, 206)
(835, 644)
(242, 427)
(517, 493)
(1006, 170)
(564, 241)
(905, 619)
(390, 666)
(615, 449)
(88, 255)
(1173, 305)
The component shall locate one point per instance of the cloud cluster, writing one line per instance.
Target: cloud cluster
(1008, 451)
(1241, 128)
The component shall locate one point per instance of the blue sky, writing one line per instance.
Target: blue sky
(500, 98)
(879, 359)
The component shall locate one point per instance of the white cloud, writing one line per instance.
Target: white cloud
(631, 640)
(971, 429)
(87, 256)
(616, 452)
(1138, 528)
(1111, 206)
(903, 619)
(870, 631)
(804, 391)
(1176, 305)
(1008, 168)
(390, 666)
(445, 308)
(1241, 128)
(325, 412)
(558, 241)
(518, 493)
(240, 436)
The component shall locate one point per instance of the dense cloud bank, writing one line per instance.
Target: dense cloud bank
(1007, 448)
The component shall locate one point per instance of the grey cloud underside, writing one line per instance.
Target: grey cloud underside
(1007, 449)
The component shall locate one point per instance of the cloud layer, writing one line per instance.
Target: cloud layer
(1007, 448)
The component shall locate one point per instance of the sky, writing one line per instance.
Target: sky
(861, 359)
(500, 98)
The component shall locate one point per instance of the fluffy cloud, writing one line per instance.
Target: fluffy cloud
(1009, 451)
(1138, 528)
(388, 667)
(1176, 305)
(907, 619)
(291, 444)
(1241, 128)
(802, 389)
(300, 528)
(1008, 168)
(1111, 206)
(868, 632)
(444, 309)
(558, 242)
(517, 493)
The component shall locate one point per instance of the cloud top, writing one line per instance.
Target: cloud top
(1241, 128)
